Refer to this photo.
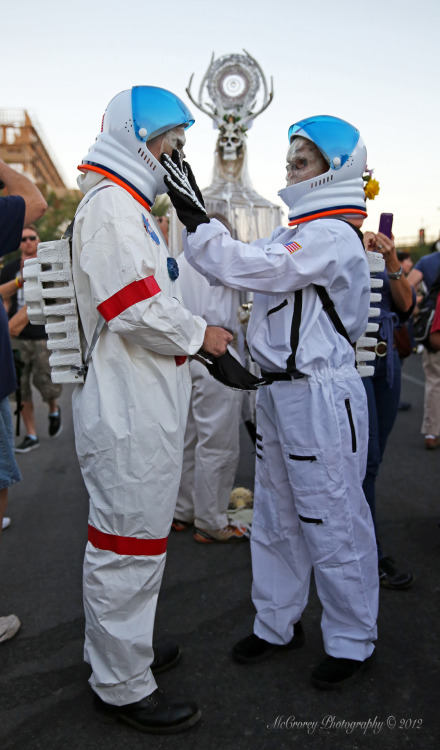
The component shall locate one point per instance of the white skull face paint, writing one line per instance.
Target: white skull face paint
(304, 161)
(174, 139)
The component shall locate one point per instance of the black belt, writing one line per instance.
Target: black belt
(272, 376)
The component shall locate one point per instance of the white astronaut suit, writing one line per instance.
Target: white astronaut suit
(130, 414)
(309, 507)
(212, 448)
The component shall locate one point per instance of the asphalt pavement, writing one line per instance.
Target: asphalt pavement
(205, 605)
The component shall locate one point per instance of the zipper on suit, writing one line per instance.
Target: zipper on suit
(352, 429)
(293, 457)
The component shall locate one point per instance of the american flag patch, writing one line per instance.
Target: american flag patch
(292, 247)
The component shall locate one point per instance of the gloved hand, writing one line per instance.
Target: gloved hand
(184, 192)
(229, 371)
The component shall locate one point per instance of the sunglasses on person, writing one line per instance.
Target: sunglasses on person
(31, 237)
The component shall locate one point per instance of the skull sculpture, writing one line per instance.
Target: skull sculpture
(231, 148)
(230, 141)
(232, 83)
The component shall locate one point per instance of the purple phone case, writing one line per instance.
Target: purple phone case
(386, 224)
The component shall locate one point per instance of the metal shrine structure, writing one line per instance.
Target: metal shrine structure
(233, 92)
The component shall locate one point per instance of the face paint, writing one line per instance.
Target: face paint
(174, 139)
(304, 161)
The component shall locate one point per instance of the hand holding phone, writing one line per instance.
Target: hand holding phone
(386, 224)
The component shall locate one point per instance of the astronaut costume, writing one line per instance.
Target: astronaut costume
(309, 508)
(212, 449)
(130, 414)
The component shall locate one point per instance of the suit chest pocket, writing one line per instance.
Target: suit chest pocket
(277, 318)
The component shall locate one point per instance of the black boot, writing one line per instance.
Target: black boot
(253, 649)
(154, 714)
(391, 577)
(334, 673)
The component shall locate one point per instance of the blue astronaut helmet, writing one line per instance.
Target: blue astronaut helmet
(132, 119)
(157, 110)
(340, 190)
(335, 138)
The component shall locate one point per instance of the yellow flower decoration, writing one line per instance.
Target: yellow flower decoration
(371, 188)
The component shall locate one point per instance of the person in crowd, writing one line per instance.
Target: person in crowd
(163, 223)
(434, 335)
(130, 413)
(23, 204)
(435, 247)
(212, 445)
(383, 388)
(405, 261)
(426, 269)
(404, 334)
(30, 343)
(311, 299)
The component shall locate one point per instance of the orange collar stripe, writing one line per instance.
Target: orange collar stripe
(327, 213)
(117, 181)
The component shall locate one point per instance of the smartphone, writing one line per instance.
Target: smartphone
(386, 224)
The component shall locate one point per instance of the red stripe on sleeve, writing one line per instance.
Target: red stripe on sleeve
(137, 291)
(126, 545)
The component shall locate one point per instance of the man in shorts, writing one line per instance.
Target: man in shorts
(30, 344)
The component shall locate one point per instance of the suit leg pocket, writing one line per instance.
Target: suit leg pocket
(307, 469)
(315, 485)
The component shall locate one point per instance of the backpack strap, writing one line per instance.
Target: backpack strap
(68, 234)
(329, 307)
(294, 336)
(327, 303)
(352, 226)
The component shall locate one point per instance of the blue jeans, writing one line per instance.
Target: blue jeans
(9, 471)
(383, 403)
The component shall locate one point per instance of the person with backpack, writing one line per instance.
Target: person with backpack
(311, 289)
(427, 269)
(130, 413)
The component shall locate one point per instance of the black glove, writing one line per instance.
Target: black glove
(184, 192)
(228, 370)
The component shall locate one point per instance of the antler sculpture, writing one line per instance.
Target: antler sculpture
(249, 70)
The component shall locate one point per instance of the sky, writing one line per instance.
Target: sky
(375, 64)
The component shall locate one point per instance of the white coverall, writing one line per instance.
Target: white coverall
(212, 446)
(309, 508)
(129, 420)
